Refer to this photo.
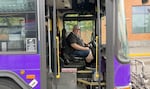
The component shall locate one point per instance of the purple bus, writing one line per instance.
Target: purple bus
(20, 53)
(29, 45)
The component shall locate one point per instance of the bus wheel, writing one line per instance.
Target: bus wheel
(6, 83)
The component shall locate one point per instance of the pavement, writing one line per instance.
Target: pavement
(139, 51)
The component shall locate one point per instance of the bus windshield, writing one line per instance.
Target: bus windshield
(87, 27)
(122, 33)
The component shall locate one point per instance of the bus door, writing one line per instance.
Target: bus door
(51, 48)
(52, 42)
(90, 30)
(117, 62)
(86, 21)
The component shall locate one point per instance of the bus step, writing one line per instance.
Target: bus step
(91, 83)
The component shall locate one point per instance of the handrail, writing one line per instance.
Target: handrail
(58, 62)
(97, 74)
(139, 61)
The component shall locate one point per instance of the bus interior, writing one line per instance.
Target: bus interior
(60, 20)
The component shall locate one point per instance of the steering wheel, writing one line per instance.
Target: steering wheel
(92, 43)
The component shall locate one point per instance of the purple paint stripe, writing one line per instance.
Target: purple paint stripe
(122, 73)
(23, 61)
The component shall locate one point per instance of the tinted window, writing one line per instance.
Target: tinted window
(141, 19)
(18, 25)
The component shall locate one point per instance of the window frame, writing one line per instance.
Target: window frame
(145, 30)
(27, 11)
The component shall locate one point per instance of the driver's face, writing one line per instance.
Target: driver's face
(78, 32)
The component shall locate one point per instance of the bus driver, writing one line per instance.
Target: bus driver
(77, 46)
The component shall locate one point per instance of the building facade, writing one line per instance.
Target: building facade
(138, 23)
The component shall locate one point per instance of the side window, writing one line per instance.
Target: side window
(87, 27)
(86, 30)
(69, 25)
(18, 26)
(140, 19)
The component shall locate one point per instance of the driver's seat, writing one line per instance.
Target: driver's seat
(70, 61)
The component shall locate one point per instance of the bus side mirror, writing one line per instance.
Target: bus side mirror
(144, 1)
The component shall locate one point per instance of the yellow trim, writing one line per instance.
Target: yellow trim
(97, 74)
(139, 54)
(58, 63)
(90, 83)
(84, 71)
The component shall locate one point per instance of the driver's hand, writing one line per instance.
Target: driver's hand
(87, 45)
(86, 48)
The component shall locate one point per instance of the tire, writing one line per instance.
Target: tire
(6, 83)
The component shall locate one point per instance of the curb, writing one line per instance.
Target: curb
(139, 55)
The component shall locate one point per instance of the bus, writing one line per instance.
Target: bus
(31, 43)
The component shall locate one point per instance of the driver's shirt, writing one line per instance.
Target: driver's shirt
(73, 38)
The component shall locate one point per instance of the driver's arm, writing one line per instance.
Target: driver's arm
(78, 47)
